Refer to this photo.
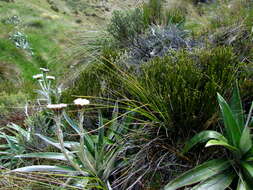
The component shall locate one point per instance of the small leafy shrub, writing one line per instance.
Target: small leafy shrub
(125, 26)
(20, 40)
(155, 13)
(236, 139)
(175, 16)
(36, 24)
(152, 12)
(10, 102)
(14, 20)
(182, 87)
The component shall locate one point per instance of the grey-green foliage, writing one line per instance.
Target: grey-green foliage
(158, 41)
(94, 156)
(21, 41)
(14, 20)
(237, 140)
(18, 140)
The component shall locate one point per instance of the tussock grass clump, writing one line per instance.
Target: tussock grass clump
(179, 89)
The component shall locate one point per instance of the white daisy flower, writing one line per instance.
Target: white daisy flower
(38, 76)
(50, 77)
(44, 69)
(81, 102)
(56, 106)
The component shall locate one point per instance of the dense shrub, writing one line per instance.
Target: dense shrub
(152, 12)
(188, 84)
(180, 89)
(125, 26)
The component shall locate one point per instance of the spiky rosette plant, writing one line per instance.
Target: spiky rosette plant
(218, 174)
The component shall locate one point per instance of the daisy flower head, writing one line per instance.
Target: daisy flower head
(81, 102)
(44, 70)
(56, 107)
(38, 76)
(50, 77)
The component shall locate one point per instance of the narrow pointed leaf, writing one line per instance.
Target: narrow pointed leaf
(232, 128)
(250, 159)
(46, 155)
(44, 168)
(88, 141)
(71, 122)
(241, 184)
(199, 173)
(101, 133)
(217, 182)
(245, 141)
(23, 132)
(221, 143)
(68, 144)
(236, 107)
(248, 167)
(203, 137)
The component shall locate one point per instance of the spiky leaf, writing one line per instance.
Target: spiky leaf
(232, 128)
(199, 173)
(203, 137)
(217, 182)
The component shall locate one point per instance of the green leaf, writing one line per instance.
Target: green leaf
(88, 141)
(221, 143)
(216, 182)
(199, 173)
(71, 122)
(241, 184)
(236, 107)
(20, 130)
(68, 144)
(4, 136)
(248, 168)
(232, 128)
(101, 133)
(202, 137)
(245, 141)
(46, 155)
(250, 159)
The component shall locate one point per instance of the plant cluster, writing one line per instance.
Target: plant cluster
(126, 121)
(20, 40)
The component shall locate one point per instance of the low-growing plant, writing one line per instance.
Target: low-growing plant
(94, 156)
(20, 40)
(159, 41)
(19, 141)
(48, 93)
(236, 166)
(153, 12)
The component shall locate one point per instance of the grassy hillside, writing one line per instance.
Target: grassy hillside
(45, 29)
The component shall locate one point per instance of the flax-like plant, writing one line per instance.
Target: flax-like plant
(94, 156)
(218, 174)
